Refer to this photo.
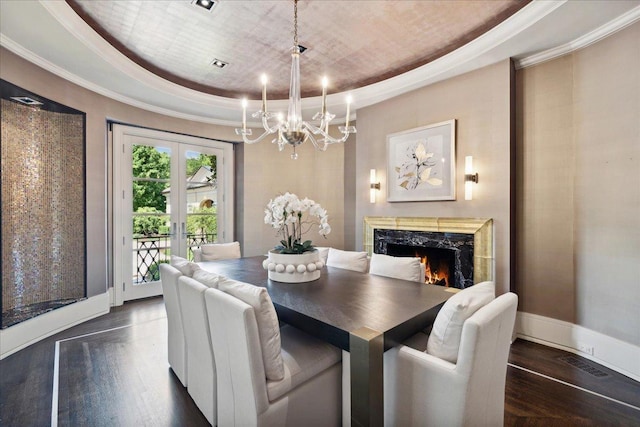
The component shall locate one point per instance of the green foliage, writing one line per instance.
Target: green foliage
(153, 274)
(148, 224)
(203, 224)
(147, 162)
(291, 246)
(194, 164)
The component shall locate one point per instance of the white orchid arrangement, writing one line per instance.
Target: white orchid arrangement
(292, 218)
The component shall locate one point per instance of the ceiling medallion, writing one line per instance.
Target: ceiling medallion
(294, 131)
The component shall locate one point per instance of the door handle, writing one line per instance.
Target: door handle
(175, 229)
(184, 231)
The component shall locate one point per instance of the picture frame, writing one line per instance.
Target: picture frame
(421, 163)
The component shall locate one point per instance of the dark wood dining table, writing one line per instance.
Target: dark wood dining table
(361, 313)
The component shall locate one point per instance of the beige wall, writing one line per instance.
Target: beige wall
(545, 152)
(480, 103)
(267, 173)
(579, 187)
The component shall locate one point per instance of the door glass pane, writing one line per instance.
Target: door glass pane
(202, 199)
(150, 211)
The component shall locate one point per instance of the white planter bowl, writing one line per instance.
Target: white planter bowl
(293, 268)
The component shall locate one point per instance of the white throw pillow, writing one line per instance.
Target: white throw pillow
(268, 327)
(185, 266)
(406, 268)
(349, 260)
(444, 340)
(215, 251)
(207, 278)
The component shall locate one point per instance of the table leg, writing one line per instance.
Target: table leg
(366, 348)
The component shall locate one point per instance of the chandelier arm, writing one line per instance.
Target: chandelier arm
(312, 128)
(331, 140)
(328, 139)
(258, 139)
(265, 124)
(320, 146)
(325, 118)
(313, 141)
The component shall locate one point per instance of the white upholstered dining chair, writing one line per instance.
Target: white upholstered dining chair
(422, 389)
(177, 349)
(348, 260)
(406, 268)
(215, 251)
(201, 372)
(323, 251)
(269, 376)
(464, 384)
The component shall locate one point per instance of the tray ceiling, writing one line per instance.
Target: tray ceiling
(354, 43)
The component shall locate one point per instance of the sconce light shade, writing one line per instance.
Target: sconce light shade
(373, 186)
(469, 178)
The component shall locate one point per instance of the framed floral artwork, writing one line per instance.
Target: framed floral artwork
(421, 163)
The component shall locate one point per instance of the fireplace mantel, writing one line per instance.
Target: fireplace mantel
(481, 228)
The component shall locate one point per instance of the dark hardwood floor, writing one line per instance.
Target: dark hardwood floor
(113, 371)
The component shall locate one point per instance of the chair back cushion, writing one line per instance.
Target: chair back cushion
(324, 253)
(444, 340)
(185, 266)
(207, 278)
(267, 319)
(405, 268)
(215, 251)
(348, 260)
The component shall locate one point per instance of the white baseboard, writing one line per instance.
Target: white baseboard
(615, 354)
(22, 335)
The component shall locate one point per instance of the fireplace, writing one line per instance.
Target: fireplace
(439, 263)
(458, 252)
(448, 257)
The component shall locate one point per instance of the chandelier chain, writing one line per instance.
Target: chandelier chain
(295, 23)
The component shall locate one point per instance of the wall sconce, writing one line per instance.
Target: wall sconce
(374, 186)
(469, 178)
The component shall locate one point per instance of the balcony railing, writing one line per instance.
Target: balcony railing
(151, 251)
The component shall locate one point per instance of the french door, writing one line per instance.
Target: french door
(171, 193)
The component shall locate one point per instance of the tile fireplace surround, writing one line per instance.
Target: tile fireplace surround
(481, 228)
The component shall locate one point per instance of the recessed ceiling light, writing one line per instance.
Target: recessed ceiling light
(205, 4)
(219, 63)
(26, 100)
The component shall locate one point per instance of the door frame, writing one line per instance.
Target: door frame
(121, 200)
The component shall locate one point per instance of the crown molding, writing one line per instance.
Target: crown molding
(588, 39)
(26, 54)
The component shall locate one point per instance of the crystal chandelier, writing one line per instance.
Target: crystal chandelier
(294, 131)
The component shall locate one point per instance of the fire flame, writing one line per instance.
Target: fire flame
(438, 275)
